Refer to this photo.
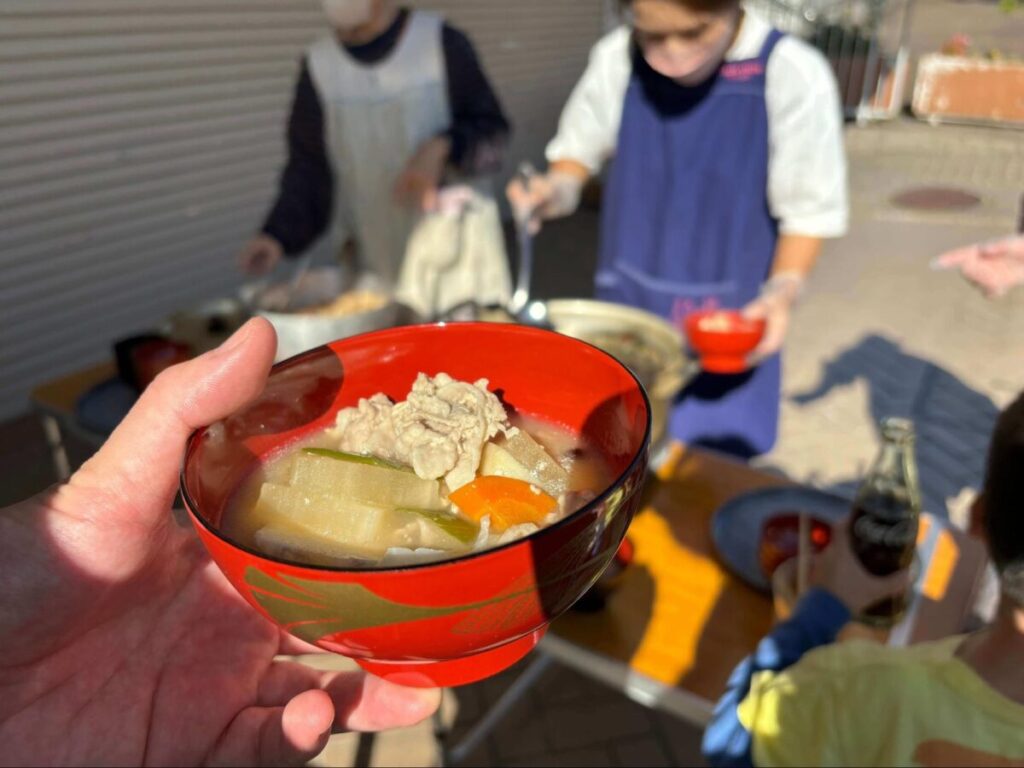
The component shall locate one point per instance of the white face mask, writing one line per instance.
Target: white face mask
(348, 14)
(705, 67)
(694, 66)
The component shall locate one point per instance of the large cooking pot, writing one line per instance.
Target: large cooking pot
(649, 345)
(207, 325)
(311, 323)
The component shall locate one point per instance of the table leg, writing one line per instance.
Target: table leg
(55, 440)
(364, 750)
(482, 729)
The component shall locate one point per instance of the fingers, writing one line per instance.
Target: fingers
(253, 260)
(755, 310)
(142, 458)
(292, 734)
(1011, 248)
(955, 258)
(774, 337)
(366, 703)
(994, 267)
(284, 680)
(517, 195)
(298, 731)
(995, 276)
(529, 204)
(361, 702)
(301, 733)
(1000, 249)
(260, 256)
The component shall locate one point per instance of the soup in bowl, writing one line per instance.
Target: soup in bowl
(424, 500)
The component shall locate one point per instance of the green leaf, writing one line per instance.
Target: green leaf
(355, 458)
(458, 528)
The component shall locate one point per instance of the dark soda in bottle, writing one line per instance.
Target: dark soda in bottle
(886, 514)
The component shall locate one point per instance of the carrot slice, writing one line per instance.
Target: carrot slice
(508, 501)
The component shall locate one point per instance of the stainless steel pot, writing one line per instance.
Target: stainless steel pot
(299, 331)
(649, 345)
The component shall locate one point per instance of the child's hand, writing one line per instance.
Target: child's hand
(838, 570)
(994, 267)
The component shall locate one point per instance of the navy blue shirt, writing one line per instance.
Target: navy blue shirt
(816, 621)
(305, 200)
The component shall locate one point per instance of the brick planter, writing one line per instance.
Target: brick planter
(966, 89)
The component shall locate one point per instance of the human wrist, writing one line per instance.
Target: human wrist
(566, 191)
(275, 239)
(432, 157)
(784, 287)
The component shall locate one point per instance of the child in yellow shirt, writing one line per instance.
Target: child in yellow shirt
(956, 702)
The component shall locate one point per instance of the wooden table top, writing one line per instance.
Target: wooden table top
(678, 617)
(59, 396)
(679, 622)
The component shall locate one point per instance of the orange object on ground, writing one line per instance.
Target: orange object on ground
(508, 501)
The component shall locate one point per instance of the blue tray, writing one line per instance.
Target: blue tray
(103, 407)
(736, 526)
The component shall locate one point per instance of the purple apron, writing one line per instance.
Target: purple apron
(686, 225)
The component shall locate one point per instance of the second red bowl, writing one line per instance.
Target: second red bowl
(723, 339)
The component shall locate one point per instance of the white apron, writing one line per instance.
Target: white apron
(376, 117)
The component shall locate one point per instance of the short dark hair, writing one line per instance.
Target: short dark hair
(1004, 499)
(697, 5)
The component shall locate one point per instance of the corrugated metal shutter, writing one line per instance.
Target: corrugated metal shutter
(534, 51)
(140, 143)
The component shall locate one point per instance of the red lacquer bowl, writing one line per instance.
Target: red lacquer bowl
(726, 350)
(448, 623)
(780, 540)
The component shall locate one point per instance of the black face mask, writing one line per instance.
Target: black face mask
(668, 97)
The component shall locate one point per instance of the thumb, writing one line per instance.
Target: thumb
(141, 460)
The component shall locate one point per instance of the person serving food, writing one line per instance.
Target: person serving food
(386, 105)
(729, 172)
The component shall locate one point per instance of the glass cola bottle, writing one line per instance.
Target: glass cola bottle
(886, 514)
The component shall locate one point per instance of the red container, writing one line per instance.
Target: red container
(151, 358)
(441, 624)
(780, 540)
(725, 350)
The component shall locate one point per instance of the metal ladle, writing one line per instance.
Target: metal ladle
(296, 281)
(268, 297)
(526, 312)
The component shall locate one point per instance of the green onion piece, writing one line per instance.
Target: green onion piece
(355, 458)
(457, 527)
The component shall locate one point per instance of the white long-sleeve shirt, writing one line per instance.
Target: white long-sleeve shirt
(807, 188)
